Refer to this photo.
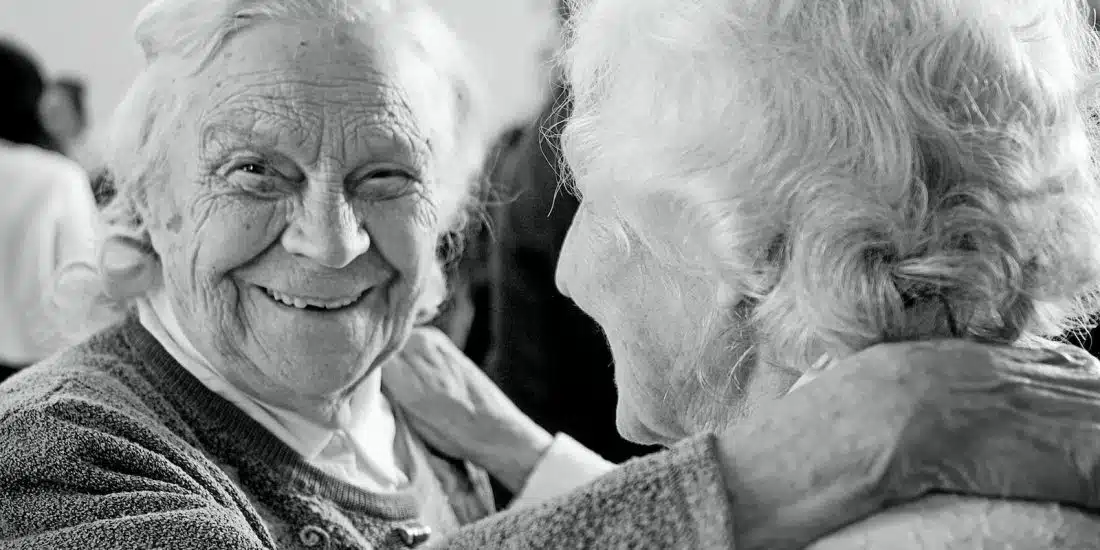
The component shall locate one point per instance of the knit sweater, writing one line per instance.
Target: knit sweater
(675, 499)
(112, 444)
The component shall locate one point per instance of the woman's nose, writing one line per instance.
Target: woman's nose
(327, 231)
(566, 269)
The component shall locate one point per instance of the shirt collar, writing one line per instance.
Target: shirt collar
(307, 437)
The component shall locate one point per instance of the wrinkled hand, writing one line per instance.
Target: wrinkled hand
(454, 406)
(894, 423)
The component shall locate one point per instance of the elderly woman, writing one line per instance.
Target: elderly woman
(890, 204)
(284, 172)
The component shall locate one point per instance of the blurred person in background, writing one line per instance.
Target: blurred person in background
(64, 114)
(47, 216)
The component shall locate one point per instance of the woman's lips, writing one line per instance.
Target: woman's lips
(310, 303)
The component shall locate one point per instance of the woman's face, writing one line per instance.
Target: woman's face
(684, 361)
(297, 228)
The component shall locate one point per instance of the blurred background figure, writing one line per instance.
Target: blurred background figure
(64, 114)
(47, 217)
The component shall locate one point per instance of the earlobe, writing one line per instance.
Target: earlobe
(129, 267)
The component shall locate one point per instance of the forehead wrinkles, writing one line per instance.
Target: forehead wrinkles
(316, 117)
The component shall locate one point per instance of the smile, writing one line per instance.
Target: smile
(314, 304)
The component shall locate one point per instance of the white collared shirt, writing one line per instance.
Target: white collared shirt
(360, 448)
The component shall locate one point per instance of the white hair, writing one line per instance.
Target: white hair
(856, 172)
(179, 38)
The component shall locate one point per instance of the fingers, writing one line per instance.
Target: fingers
(402, 381)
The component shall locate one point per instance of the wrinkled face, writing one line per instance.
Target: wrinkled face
(298, 225)
(683, 354)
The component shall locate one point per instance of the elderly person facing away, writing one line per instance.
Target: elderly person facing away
(890, 204)
(284, 172)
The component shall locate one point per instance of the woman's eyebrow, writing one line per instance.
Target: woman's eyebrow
(256, 133)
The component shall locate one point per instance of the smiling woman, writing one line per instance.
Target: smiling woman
(284, 172)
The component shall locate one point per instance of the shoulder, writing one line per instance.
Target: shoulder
(92, 391)
(45, 168)
(954, 522)
(672, 499)
(99, 371)
(50, 188)
(49, 162)
(90, 461)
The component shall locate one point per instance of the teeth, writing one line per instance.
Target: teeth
(301, 303)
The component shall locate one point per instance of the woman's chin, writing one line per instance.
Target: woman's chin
(633, 427)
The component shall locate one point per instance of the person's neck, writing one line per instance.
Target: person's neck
(324, 410)
(328, 410)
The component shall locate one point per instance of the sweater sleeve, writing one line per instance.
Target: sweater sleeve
(81, 475)
(674, 499)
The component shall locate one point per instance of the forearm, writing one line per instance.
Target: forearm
(780, 497)
(671, 499)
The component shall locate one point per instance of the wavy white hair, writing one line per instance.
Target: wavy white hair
(179, 38)
(854, 172)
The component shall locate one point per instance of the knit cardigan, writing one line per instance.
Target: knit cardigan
(112, 444)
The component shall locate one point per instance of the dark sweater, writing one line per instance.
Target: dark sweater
(112, 444)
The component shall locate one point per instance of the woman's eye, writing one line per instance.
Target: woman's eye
(387, 184)
(253, 168)
(389, 173)
(257, 178)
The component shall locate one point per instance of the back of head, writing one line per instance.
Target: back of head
(20, 120)
(857, 171)
(74, 92)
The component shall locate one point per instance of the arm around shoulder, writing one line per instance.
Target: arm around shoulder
(673, 499)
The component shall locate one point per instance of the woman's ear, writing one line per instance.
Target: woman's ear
(129, 266)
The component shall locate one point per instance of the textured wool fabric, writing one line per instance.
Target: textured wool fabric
(674, 499)
(112, 444)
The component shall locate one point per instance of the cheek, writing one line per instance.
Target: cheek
(230, 235)
(590, 262)
(212, 237)
(406, 239)
(402, 234)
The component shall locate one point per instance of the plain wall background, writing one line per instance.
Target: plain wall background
(92, 39)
